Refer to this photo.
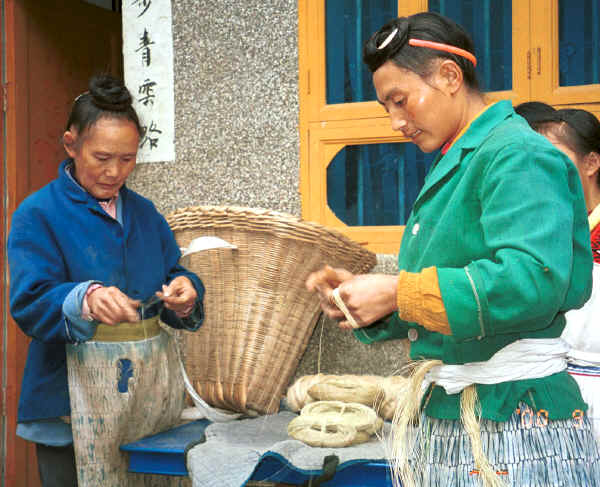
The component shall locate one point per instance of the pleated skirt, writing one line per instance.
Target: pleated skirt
(528, 450)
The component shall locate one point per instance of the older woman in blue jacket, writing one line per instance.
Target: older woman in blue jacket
(86, 250)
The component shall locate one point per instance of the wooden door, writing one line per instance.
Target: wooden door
(51, 49)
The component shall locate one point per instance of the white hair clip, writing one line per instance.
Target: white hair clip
(79, 96)
(388, 39)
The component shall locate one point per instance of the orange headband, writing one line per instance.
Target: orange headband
(444, 47)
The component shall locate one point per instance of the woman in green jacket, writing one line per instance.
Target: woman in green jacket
(495, 251)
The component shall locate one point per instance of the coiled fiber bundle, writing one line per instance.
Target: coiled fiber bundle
(380, 393)
(334, 424)
(259, 315)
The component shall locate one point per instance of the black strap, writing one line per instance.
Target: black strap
(330, 464)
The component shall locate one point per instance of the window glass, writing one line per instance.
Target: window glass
(376, 184)
(579, 42)
(489, 22)
(349, 24)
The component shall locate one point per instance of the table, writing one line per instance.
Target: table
(165, 454)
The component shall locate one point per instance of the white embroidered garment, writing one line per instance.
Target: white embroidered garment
(582, 331)
(583, 334)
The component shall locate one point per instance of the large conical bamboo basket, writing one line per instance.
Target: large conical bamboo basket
(259, 315)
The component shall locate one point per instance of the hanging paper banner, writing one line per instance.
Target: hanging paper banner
(148, 63)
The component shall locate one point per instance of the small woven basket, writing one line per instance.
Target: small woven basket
(259, 315)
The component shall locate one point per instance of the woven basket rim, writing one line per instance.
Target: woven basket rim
(244, 355)
(192, 217)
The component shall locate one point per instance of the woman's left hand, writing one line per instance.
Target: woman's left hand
(368, 297)
(179, 296)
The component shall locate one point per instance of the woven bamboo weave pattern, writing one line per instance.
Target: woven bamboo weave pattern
(259, 315)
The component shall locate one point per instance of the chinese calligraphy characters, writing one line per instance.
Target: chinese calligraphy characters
(148, 56)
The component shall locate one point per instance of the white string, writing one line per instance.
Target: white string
(320, 344)
(342, 306)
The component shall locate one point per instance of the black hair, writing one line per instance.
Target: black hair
(429, 26)
(107, 97)
(577, 129)
(582, 131)
(535, 112)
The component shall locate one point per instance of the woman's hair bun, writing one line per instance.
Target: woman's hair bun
(107, 96)
(392, 43)
(109, 93)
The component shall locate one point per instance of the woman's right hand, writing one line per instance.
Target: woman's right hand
(110, 306)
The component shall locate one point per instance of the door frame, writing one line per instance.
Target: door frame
(43, 70)
(17, 454)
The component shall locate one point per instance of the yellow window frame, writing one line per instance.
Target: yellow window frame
(326, 129)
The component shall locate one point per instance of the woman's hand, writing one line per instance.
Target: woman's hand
(368, 297)
(324, 281)
(180, 295)
(110, 306)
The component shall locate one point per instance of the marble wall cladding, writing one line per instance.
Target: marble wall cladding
(236, 108)
(334, 351)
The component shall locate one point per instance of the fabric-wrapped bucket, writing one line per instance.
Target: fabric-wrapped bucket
(120, 392)
(259, 315)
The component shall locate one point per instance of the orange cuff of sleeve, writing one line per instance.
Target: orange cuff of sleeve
(419, 300)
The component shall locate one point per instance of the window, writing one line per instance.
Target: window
(114, 5)
(490, 24)
(376, 184)
(579, 43)
(359, 176)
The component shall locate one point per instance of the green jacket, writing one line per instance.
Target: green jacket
(502, 217)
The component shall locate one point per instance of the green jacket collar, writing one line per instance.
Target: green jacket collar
(480, 128)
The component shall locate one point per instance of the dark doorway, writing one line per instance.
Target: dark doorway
(50, 49)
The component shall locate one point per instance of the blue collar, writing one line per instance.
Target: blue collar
(74, 190)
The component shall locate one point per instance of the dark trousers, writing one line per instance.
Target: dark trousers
(56, 465)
